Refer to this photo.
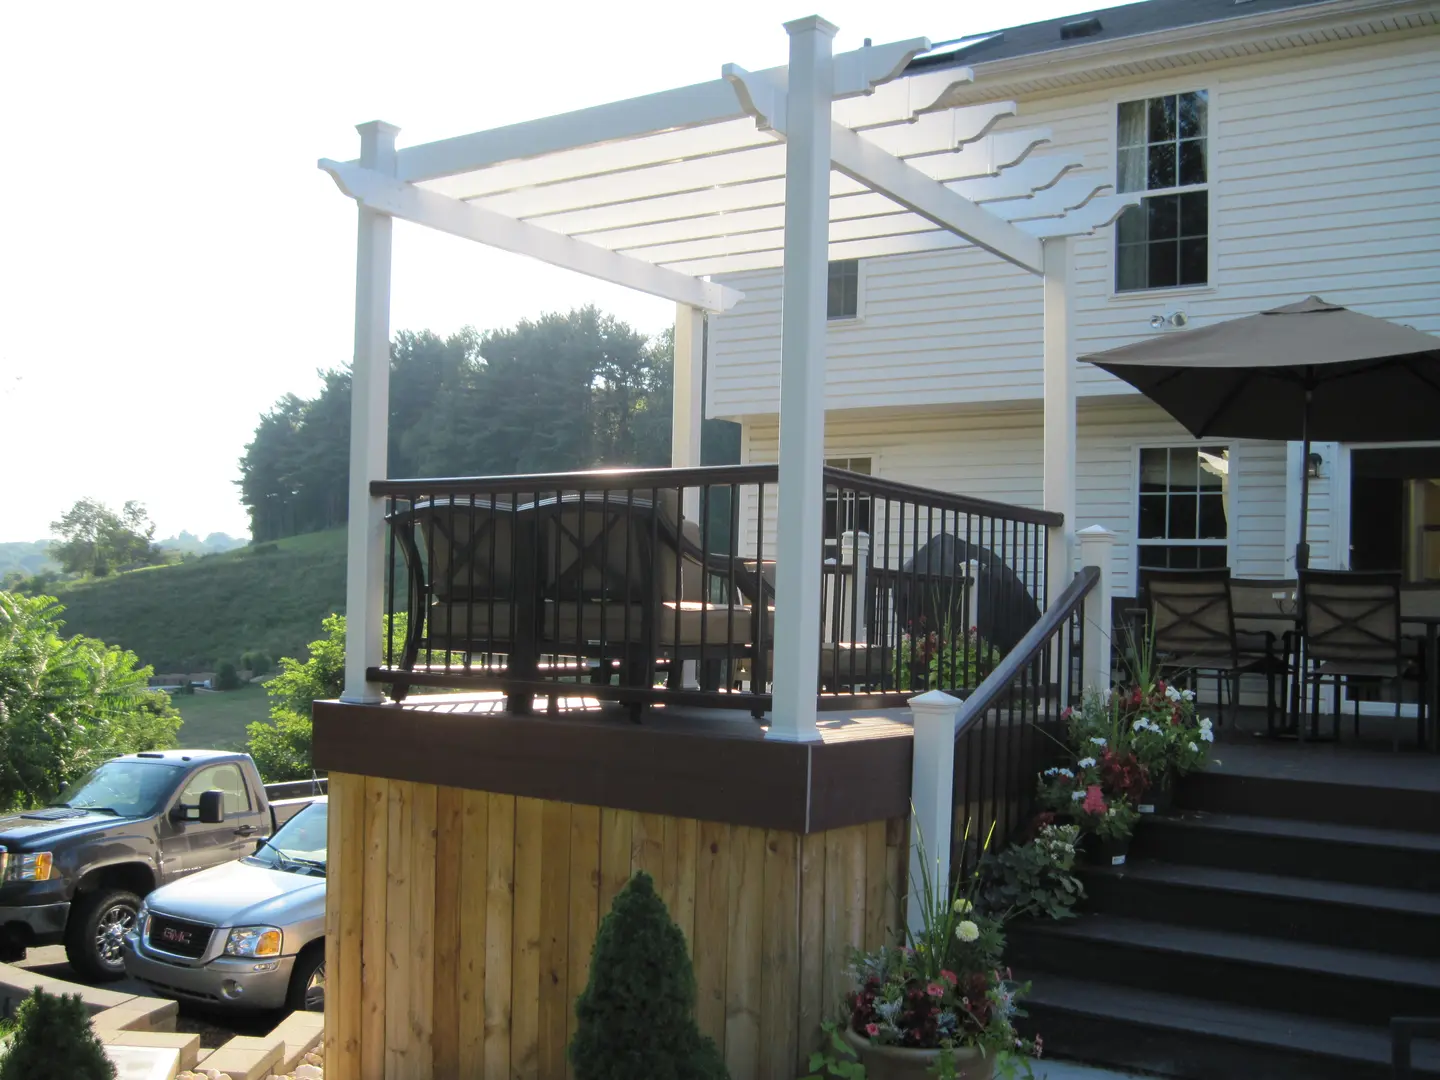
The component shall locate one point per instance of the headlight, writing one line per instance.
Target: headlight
(28, 866)
(253, 941)
(142, 921)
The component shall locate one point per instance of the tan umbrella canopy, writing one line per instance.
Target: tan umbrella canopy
(1311, 370)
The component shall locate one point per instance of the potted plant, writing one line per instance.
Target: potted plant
(944, 1005)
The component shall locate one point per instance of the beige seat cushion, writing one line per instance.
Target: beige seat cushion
(564, 621)
(458, 623)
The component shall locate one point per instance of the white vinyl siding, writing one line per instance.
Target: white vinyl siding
(1323, 167)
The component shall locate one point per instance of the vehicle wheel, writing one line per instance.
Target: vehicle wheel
(307, 981)
(96, 930)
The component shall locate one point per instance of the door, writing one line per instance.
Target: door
(189, 844)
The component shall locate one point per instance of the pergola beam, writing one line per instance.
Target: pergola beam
(388, 195)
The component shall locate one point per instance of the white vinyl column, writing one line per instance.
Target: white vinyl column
(1059, 385)
(800, 525)
(687, 408)
(369, 428)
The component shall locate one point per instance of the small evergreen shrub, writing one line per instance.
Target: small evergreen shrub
(226, 677)
(637, 1014)
(53, 1040)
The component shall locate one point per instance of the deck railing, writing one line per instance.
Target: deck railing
(1013, 726)
(654, 586)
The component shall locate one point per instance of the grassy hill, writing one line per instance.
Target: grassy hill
(217, 721)
(192, 615)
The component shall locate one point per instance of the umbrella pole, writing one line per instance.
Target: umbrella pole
(1302, 549)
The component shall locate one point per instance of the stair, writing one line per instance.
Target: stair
(1269, 928)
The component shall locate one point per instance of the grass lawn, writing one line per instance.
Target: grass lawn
(216, 720)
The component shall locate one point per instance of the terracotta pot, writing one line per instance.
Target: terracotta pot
(898, 1063)
(1158, 800)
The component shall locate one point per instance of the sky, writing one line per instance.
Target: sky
(172, 261)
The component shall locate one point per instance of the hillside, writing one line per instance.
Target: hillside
(192, 615)
(27, 557)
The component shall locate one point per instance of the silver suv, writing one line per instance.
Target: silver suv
(249, 934)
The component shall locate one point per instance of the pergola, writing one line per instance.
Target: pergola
(835, 156)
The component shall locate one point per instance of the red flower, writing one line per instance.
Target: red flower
(1094, 801)
(1066, 714)
(949, 976)
(1160, 685)
(872, 1030)
(935, 990)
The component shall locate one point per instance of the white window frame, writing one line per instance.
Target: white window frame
(1232, 529)
(1148, 297)
(859, 316)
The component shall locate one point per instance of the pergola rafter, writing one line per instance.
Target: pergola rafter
(830, 157)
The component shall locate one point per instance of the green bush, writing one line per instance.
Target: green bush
(53, 1040)
(257, 663)
(637, 1014)
(226, 677)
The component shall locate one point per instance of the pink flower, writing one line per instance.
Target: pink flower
(872, 1030)
(949, 976)
(1094, 801)
(935, 990)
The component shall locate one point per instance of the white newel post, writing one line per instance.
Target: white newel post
(855, 560)
(1059, 386)
(932, 782)
(369, 429)
(1097, 545)
(800, 525)
(972, 606)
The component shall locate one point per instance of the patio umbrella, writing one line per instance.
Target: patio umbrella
(1311, 370)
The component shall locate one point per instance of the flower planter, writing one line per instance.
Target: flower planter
(1108, 852)
(899, 1063)
(1158, 800)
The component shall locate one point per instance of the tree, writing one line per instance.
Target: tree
(226, 677)
(53, 1040)
(636, 1016)
(96, 540)
(66, 704)
(281, 746)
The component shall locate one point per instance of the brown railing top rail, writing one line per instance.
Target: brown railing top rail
(941, 500)
(1009, 669)
(586, 480)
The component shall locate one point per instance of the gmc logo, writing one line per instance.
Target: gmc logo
(179, 937)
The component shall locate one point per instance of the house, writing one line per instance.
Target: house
(1282, 148)
(949, 207)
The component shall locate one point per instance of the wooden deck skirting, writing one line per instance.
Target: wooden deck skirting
(460, 918)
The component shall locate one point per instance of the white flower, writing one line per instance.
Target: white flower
(1205, 724)
(1086, 762)
(1172, 693)
(967, 931)
(1188, 695)
(1206, 735)
(1077, 795)
(1097, 740)
(1194, 749)
(962, 906)
(1105, 696)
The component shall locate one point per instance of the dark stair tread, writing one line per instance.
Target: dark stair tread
(1299, 829)
(1284, 1031)
(1248, 948)
(1379, 898)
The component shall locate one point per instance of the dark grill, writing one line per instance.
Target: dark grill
(178, 937)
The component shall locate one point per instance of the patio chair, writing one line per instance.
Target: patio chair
(1350, 622)
(1264, 610)
(1192, 622)
(459, 554)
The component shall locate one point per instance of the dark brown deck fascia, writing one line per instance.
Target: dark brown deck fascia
(699, 771)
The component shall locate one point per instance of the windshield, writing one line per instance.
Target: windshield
(125, 788)
(299, 846)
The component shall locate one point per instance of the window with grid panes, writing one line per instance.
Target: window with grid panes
(845, 510)
(1183, 519)
(1163, 150)
(843, 298)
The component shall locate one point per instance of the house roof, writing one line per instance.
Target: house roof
(1087, 28)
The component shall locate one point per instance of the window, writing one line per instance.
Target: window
(845, 510)
(843, 298)
(1184, 513)
(1164, 151)
(224, 778)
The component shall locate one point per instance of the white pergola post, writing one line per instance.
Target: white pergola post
(1097, 547)
(687, 408)
(1058, 256)
(369, 428)
(800, 526)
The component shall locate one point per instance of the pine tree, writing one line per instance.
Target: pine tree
(637, 1014)
(53, 1040)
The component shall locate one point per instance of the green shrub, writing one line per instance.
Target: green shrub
(257, 663)
(226, 677)
(53, 1041)
(637, 1014)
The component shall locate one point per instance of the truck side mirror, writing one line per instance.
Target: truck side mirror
(212, 807)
